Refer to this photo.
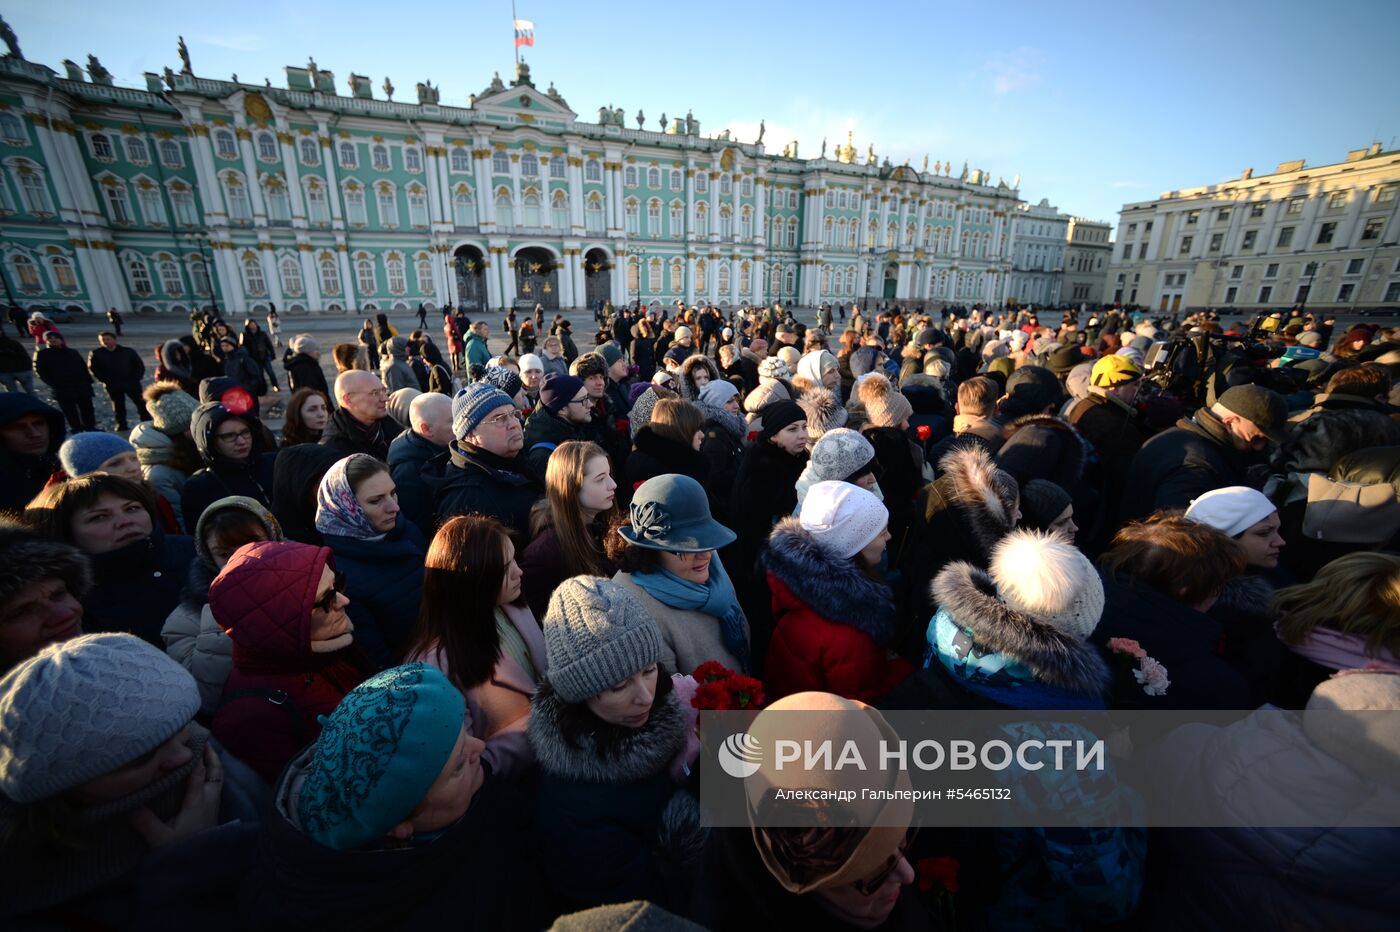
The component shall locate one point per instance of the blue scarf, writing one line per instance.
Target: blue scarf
(716, 598)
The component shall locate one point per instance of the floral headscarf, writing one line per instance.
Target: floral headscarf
(338, 511)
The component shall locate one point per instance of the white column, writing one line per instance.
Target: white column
(493, 280)
(519, 203)
(485, 192)
(689, 206)
(268, 260)
(760, 272)
(250, 170)
(92, 283)
(232, 275)
(957, 229)
(449, 277)
(689, 280)
(760, 210)
(347, 277)
(566, 280)
(328, 161)
(289, 165)
(714, 210)
(507, 267)
(580, 286)
(610, 199)
(575, 174)
(864, 220)
(310, 277)
(207, 178)
(1347, 230)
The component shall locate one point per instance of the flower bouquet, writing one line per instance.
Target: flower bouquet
(1150, 674)
(720, 689)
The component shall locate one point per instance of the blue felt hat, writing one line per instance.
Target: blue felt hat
(672, 512)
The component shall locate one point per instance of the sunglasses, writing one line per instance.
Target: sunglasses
(872, 885)
(326, 603)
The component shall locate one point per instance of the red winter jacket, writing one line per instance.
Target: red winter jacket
(263, 600)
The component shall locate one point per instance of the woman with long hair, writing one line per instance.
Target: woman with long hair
(307, 413)
(474, 626)
(571, 523)
(1346, 618)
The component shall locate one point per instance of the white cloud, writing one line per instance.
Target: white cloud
(1014, 71)
(236, 41)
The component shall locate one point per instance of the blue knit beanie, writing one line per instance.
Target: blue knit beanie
(379, 753)
(472, 404)
(86, 452)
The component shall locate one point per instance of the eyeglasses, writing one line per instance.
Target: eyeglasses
(236, 436)
(326, 603)
(505, 419)
(871, 886)
(373, 393)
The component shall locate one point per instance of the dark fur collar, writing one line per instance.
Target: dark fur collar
(644, 753)
(969, 482)
(969, 596)
(835, 589)
(1249, 593)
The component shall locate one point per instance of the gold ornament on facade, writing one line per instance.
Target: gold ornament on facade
(341, 247)
(266, 247)
(575, 162)
(257, 110)
(285, 138)
(243, 133)
(305, 247)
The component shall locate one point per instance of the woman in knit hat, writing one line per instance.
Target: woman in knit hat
(666, 555)
(294, 657)
(845, 865)
(474, 625)
(422, 836)
(42, 583)
(1017, 634)
(569, 526)
(98, 451)
(138, 569)
(379, 551)
(901, 459)
(834, 617)
(723, 445)
(840, 455)
(773, 385)
(1245, 607)
(606, 727)
(163, 444)
(114, 803)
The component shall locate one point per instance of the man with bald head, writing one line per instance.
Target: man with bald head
(361, 423)
(430, 420)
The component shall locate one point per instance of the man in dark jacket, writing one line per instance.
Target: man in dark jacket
(482, 471)
(618, 381)
(30, 434)
(303, 365)
(16, 370)
(115, 319)
(1212, 449)
(430, 420)
(239, 366)
(63, 370)
(361, 423)
(259, 348)
(563, 414)
(119, 369)
(235, 462)
(1108, 420)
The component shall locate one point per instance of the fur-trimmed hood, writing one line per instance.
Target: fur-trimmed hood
(686, 384)
(1250, 593)
(969, 597)
(834, 588)
(1043, 446)
(643, 752)
(970, 482)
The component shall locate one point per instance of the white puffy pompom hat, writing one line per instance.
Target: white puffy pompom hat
(1045, 576)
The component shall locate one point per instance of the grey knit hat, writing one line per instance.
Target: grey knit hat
(839, 453)
(596, 634)
(84, 708)
(171, 412)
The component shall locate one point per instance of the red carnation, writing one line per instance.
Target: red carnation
(711, 670)
(925, 432)
(713, 697)
(746, 692)
(941, 871)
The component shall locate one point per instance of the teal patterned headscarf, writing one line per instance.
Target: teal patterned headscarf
(338, 511)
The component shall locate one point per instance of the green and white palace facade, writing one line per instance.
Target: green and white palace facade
(193, 191)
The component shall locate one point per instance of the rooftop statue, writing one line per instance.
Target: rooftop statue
(388, 88)
(98, 74)
(11, 40)
(184, 50)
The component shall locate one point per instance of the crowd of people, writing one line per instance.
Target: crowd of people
(436, 653)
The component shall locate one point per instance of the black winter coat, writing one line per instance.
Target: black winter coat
(723, 450)
(23, 477)
(1181, 639)
(305, 372)
(138, 586)
(257, 344)
(655, 455)
(902, 475)
(384, 582)
(543, 434)
(240, 367)
(1179, 464)
(119, 368)
(407, 456)
(298, 473)
(63, 370)
(469, 480)
(345, 435)
(222, 477)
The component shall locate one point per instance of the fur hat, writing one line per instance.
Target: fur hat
(824, 412)
(1044, 576)
(27, 557)
(774, 368)
(883, 403)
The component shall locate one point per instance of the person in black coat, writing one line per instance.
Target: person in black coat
(723, 446)
(259, 348)
(361, 422)
(63, 370)
(1159, 579)
(236, 463)
(296, 477)
(430, 419)
(30, 434)
(1212, 449)
(668, 444)
(119, 369)
(240, 367)
(303, 365)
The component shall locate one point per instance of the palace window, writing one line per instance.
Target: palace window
(34, 192)
(239, 207)
(388, 204)
(559, 205)
(726, 223)
(151, 208)
(746, 223)
(1325, 233)
(629, 176)
(379, 157)
(310, 151)
(101, 147)
(279, 206)
(199, 277)
(118, 207)
(317, 204)
(791, 241)
(653, 177)
(592, 170)
(677, 180)
(348, 157)
(63, 275)
(225, 146)
(654, 276)
(505, 209)
(417, 207)
(723, 278)
(170, 154)
(460, 160)
(253, 281)
(330, 277)
(745, 277)
(13, 130)
(702, 183)
(593, 213)
(677, 276)
(654, 217)
(412, 159)
(267, 147)
(531, 204)
(355, 206)
(170, 281)
(463, 208)
(702, 219)
(1337, 199)
(726, 185)
(701, 276)
(1372, 229)
(500, 163)
(27, 274)
(1285, 237)
(424, 267)
(677, 220)
(364, 277)
(290, 271)
(529, 165)
(394, 265)
(746, 189)
(137, 276)
(556, 167)
(136, 151)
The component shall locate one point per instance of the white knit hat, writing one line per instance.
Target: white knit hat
(531, 361)
(842, 518)
(85, 707)
(1234, 509)
(1044, 576)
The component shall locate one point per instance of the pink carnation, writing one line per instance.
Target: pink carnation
(1126, 646)
(1153, 677)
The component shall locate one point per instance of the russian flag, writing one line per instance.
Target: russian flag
(524, 33)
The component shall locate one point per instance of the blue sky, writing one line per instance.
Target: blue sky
(1094, 104)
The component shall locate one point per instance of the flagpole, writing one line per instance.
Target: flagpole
(514, 41)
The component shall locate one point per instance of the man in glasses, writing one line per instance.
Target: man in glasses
(361, 424)
(482, 471)
(231, 445)
(564, 413)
